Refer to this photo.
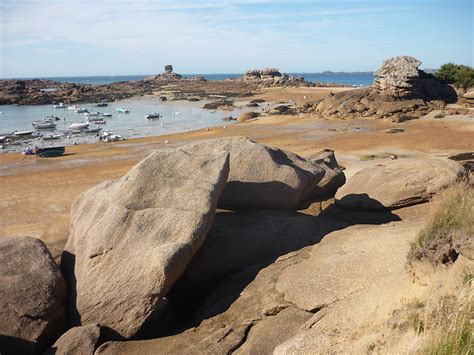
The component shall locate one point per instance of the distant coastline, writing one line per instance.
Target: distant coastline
(344, 78)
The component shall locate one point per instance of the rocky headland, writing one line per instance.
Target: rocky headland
(400, 91)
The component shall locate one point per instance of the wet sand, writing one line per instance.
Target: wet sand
(37, 194)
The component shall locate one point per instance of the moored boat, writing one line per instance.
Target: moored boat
(93, 130)
(79, 126)
(73, 107)
(122, 110)
(81, 110)
(94, 118)
(92, 114)
(51, 137)
(102, 104)
(50, 152)
(60, 105)
(44, 125)
(23, 133)
(100, 121)
(153, 116)
(106, 114)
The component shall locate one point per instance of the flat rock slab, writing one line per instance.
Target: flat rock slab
(260, 176)
(32, 296)
(398, 183)
(131, 239)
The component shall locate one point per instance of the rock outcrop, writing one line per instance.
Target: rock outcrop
(311, 301)
(131, 239)
(77, 340)
(260, 176)
(333, 177)
(32, 296)
(247, 116)
(400, 90)
(271, 77)
(398, 183)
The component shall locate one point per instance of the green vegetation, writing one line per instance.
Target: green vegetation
(459, 75)
(455, 336)
(453, 216)
(468, 277)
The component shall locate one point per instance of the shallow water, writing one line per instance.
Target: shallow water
(176, 117)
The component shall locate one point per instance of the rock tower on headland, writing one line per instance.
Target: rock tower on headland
(168, 74)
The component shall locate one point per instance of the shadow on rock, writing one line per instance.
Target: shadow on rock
(246, 242)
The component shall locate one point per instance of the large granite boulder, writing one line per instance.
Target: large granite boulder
(132, 238)
(77, 340)
(260, 176)
(32, 296)
(238, 240)
(397, 76)
(398, 183)
(333, 177)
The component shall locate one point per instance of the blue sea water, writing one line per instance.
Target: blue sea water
(356, 79)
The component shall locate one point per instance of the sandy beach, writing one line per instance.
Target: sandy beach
(37, 194)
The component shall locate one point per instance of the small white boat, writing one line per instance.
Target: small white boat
(22, 133)
(51, 137)
(44, 125)
(73, 107)
(178, 113)
(102, 104)
(106, 114)
(112, 138)
(78, 126)
(122, 110)
(102, 121)
(81, 110)
(153, 116)
(60, 105)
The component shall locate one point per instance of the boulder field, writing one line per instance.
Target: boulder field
(205, 250)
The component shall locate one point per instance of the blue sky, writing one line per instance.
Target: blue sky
(106, 37)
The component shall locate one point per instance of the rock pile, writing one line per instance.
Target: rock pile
(271, 77)
(143, 248)
(400, 91)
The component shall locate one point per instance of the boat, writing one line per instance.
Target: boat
(92, 114)
(81, 110)
(93, 130)
(122, 110)
(153, 116)
(22, 133)
(50, 152)
(2, 138)
(60, 105)
(73, 107)
(51, 137)
(102, 104)
(94, 118)
(79, 126)
(106, 114)
(44, 125)
(178, 113)
(100, 121)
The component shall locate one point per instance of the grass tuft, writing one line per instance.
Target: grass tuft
(451, 223)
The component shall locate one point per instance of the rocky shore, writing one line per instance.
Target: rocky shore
(169, 85)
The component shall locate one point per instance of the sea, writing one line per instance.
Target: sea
(176, 116)
(354, 78)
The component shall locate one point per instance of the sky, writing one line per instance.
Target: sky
(41, 38)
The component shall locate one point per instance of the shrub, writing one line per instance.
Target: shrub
(459, 75)
(449, 228)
